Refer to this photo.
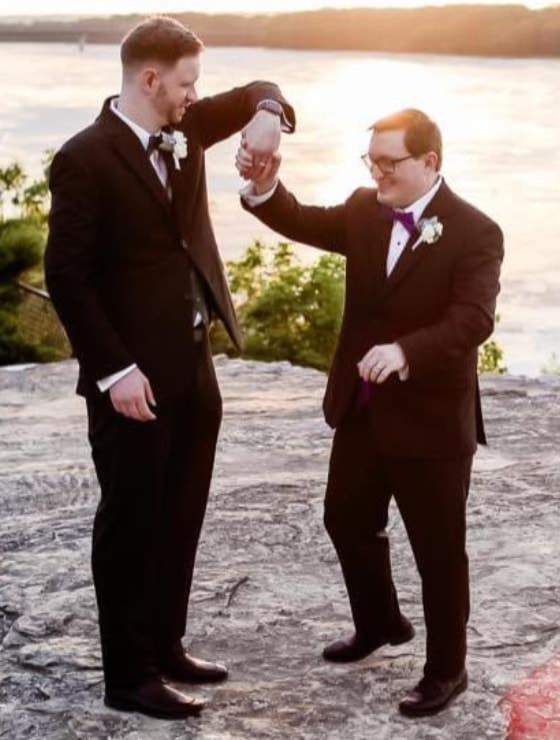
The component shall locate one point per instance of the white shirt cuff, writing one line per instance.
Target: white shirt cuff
(105, 383)
(253, 199)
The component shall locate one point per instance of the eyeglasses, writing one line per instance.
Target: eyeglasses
(385, 164)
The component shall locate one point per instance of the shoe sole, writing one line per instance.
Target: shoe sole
(434, 710)
(194, 681)
(403, 638)
(394, 641)
(122, 705)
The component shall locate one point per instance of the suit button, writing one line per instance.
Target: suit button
(184, 244)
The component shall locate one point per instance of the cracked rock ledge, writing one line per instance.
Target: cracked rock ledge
(268, 593)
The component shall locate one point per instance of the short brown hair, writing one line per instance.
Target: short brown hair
(421, 134)
(160, 39)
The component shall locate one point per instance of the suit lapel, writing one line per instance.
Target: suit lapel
(185, 183)
(379, 231)
(182, 199)
(129, 148)
(440, 206)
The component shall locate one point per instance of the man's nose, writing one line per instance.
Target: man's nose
(376, 172)
(192, 96)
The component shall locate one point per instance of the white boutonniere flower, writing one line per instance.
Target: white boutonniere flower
(181, 149)
(177, 144)
(430, 230)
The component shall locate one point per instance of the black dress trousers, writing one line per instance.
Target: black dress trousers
(431, 495)
(154, 478)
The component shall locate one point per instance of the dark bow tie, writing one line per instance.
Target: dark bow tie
(154, 143)
(405, 218)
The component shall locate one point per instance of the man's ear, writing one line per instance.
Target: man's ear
(432, 161)
(149, 79)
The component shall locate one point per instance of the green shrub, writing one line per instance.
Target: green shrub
(22, 241)
(30, 201)
(491, 357)
(287, 311)
(14, 348)
(21, 247)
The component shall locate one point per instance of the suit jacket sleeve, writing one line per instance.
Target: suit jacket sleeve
(70, 265)
(469, 318)
(217, 117)
(318, 226)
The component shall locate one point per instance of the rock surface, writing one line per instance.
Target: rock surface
(268, 592)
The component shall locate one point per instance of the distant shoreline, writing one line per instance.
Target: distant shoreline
(75, 40)
(506, 31)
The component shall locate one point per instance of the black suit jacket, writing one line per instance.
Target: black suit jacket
(119, 254)
(438, 304)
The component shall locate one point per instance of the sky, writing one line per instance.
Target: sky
(113, 7)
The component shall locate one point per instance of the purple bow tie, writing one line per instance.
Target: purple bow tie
(403, 217)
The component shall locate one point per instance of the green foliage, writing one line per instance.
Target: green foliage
(22, 240)
(287, 311)
(14, 347)
(21, 247)
(12, 180)
(491, 357)
(29, 200)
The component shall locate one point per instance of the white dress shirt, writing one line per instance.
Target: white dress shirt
(158, 164)
(399, 234)
(155, 157)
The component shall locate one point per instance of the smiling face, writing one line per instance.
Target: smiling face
(174, 89)
(161, 65)
(401, 177)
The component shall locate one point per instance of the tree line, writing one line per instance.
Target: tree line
(470, 30)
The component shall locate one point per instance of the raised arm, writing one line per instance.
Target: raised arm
(217, 117)
(267, 199)
(318, 226)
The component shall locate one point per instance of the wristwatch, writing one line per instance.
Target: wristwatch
(272, 106)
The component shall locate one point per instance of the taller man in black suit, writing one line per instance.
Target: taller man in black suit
(133, 270)
(422, 271)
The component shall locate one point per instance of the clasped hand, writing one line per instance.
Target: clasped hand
(258, 158)
(260, 140)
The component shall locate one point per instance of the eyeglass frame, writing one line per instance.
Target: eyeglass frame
(371, 163)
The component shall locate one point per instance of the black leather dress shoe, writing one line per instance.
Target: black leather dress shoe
(360, 646)
(431, 696)
(155, 699)
(182, 667)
